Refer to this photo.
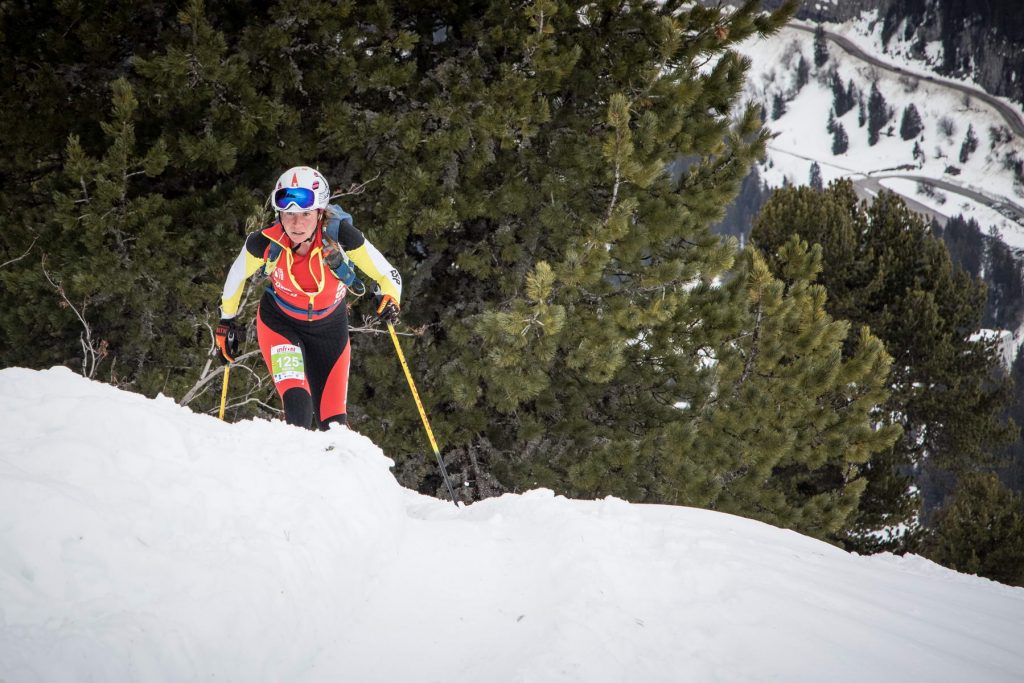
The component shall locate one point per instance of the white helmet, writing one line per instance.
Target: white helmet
(300, 189)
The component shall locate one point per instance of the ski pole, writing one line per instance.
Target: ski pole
(423, 413)
(224, 391)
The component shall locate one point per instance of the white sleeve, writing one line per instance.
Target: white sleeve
(385, 268)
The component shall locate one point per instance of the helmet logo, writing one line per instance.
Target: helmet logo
(316, 184)
(295, 179)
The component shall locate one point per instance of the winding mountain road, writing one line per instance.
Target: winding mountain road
(867, 184)
(1010, 114)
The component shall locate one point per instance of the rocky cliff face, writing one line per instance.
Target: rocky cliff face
(985, 41)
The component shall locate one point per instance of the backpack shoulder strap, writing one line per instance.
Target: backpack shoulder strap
(332, 227)
(332, 222)
(274, 252)
(274, 249)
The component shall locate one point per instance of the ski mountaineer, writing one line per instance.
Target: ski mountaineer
(301, 321)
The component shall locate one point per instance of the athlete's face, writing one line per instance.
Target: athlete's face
(300, 226)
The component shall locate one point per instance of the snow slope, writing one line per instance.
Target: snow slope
(142, 542)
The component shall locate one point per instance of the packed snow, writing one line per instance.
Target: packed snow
(142, 542)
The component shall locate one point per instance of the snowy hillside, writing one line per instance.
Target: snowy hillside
(986, 186)
(141, 542)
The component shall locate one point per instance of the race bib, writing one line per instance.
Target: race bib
(286, 362)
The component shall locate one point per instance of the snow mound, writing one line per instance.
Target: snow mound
(140, 541)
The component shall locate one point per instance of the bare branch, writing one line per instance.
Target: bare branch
(355, 188)
(748, 365)
(204, 379)
(91, 354)
(238, 365)
(615, 191)
(14, 260)
(268, 408)
(208, 376)
(372, 329)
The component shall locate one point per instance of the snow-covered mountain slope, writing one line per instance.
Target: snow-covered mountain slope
(989, 181)
(142, 542)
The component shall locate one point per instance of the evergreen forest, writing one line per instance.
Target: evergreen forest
(545, 176)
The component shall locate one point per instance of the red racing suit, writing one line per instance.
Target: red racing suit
(302, 322)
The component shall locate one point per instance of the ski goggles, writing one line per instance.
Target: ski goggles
(299, 196)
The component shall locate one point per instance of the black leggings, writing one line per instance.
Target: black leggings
(308, 361)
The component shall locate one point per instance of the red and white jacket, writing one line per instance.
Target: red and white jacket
(303, 286)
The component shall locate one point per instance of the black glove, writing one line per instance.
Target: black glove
(387, 307)
(228, 338)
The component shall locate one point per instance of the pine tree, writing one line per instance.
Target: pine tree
(910, 125)
(969, 145)
(843, 98)
(110, 269)
(884, 269)
(140, 201)
(966, 243)
(557, 256)
(61, 61)
(789, 419)
(840, 141)
(1013, 472)
(778, 107)
(803, 73)
(565, 289)
(878, 114)
(820, 47)
(534, 250)
(1005, 274)
(980, 530)
(815, 179)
